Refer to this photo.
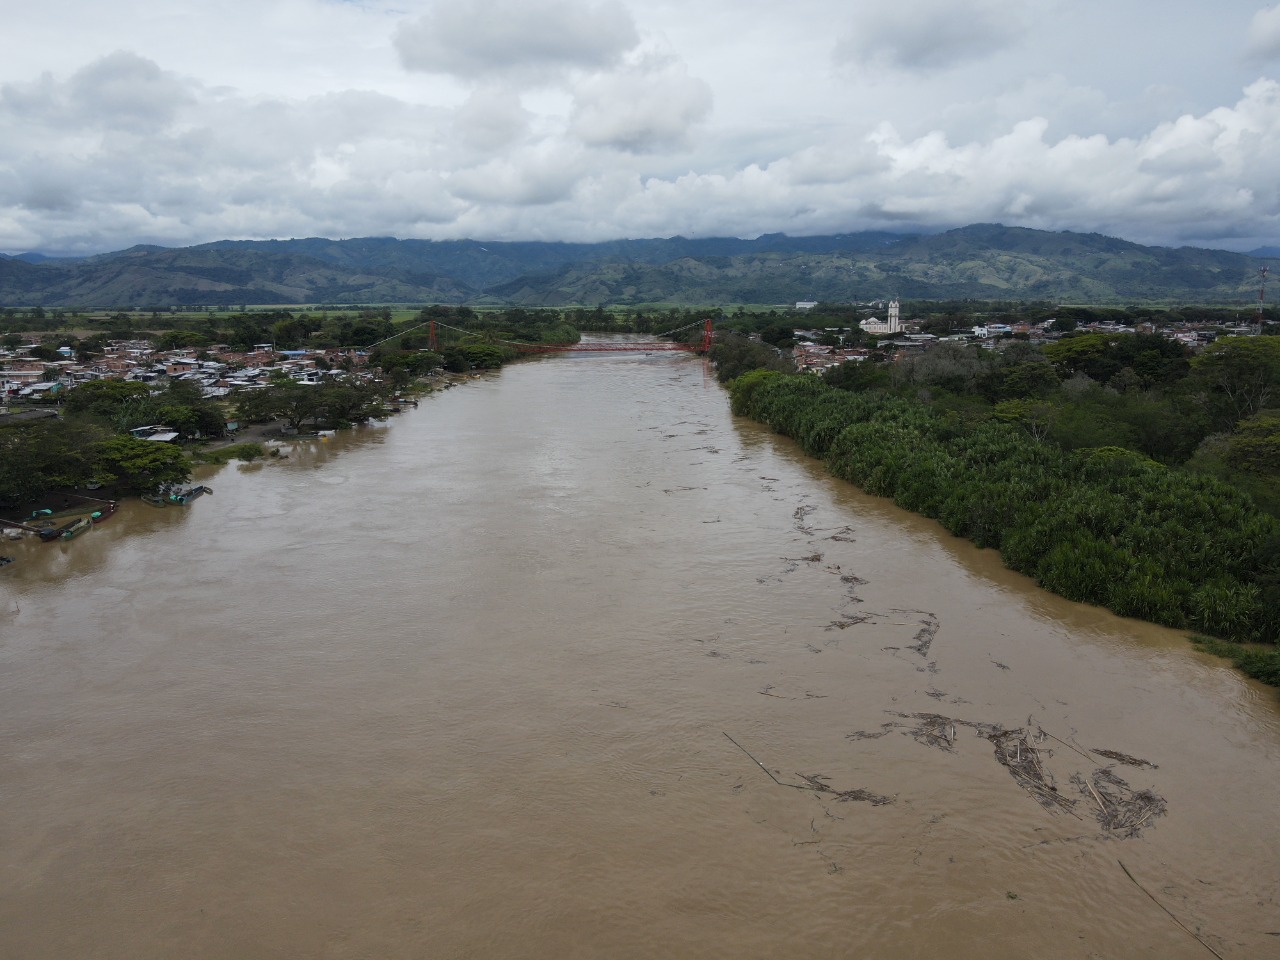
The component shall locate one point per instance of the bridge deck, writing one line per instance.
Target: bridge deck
(634, 346)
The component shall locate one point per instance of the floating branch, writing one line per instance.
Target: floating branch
(1166, 910)
(1125, 759)
(816, 783)
(762, 766)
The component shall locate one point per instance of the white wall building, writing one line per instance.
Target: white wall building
(891, 325)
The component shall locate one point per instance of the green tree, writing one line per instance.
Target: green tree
(1035, 416)
(859, 375)
(141, 465)
(348, 401)
(1255, 445)
(295, 403)
(779, 335)
(104, 400)
(1242, 372)
(734, 355)
(950, 366)
(181, 339)
(46, 455)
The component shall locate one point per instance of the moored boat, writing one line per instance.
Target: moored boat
(53, 531)
(76, 527)
(185, 495)
(99, 515)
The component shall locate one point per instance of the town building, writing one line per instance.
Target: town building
(891, 326)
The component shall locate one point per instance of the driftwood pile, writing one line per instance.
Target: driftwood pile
(1121, 810)
(1016, 752)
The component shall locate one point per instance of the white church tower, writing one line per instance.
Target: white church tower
(890, 326)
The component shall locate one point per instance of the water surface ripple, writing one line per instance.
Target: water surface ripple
(463, 686)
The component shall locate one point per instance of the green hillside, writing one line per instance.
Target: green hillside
(983, 261)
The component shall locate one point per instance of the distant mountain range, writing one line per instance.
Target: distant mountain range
(983, 261)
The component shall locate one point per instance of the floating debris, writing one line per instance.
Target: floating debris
(924, 636)
(1121, 809)
(1124, 758)
(1016, 753)
(817, 783)
(1194, 935)
(885, 730)
(846, 623)
(875, 799)
(802, 512)
(934, 730)
(812, 558)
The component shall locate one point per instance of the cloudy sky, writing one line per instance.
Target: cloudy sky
(182, 122)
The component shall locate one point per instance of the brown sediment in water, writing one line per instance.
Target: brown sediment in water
(460, 688)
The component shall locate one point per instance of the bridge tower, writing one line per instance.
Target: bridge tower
(432, 344)
(706, 335)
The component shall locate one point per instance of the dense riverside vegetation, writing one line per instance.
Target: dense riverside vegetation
(1104, 525)
(89, 443)
(1212, 413)
(59, 454)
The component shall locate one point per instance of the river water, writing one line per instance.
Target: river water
(539, 669)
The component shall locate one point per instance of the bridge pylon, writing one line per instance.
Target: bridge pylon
(706, 335)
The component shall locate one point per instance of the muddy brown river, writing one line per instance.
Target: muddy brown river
(570, 663)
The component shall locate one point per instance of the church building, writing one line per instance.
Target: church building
(890, 326)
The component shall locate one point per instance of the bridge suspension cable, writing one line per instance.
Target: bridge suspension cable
(687, 326)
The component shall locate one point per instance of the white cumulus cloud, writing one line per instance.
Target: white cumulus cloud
(1264, 34)
(646, 107)
(930, 34)
(598, 119)
(478, 39)
(492, 118)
